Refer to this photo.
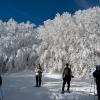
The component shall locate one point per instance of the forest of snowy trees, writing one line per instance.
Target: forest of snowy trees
(66, 38)
(16, 45)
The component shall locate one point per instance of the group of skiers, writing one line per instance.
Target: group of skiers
(66, 76)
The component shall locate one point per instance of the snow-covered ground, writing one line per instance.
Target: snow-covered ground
(20, 86)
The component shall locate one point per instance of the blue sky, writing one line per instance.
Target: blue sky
(38, 11)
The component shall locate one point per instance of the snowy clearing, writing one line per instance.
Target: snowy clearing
(20, 86)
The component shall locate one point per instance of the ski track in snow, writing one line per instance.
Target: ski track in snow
(20, 86)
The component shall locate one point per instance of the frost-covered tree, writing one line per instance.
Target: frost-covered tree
(16, 45)
(71, 38)
(67, 38)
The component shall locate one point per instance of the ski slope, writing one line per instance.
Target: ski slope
(20, 86)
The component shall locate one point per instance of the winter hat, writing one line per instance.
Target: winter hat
(97, 67)
(67, 64)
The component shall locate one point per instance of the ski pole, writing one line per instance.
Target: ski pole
(91, 85)
(94, 89)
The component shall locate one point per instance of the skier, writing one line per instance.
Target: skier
(96, 75)
(0, 83)
(0, 80)
(67, 74)
(38, 72)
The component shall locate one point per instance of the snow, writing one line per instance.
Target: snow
(73, 39)
(20, 86)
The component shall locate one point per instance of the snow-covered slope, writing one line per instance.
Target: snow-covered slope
(20, 86)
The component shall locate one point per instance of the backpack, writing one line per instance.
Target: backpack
(67, 72)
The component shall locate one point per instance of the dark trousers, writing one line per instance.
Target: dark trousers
(64, 83)
(38, 80)
(98, 87)
(98, 91)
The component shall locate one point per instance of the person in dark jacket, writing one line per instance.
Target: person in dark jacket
(67, 74)
(0, 83)
(0, 80)
(96, 75)
(38, 72)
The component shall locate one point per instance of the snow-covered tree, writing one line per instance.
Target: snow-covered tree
(16, 42)
(71, 38)
(66, 38)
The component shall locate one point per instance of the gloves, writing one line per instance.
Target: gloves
(72, 76)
